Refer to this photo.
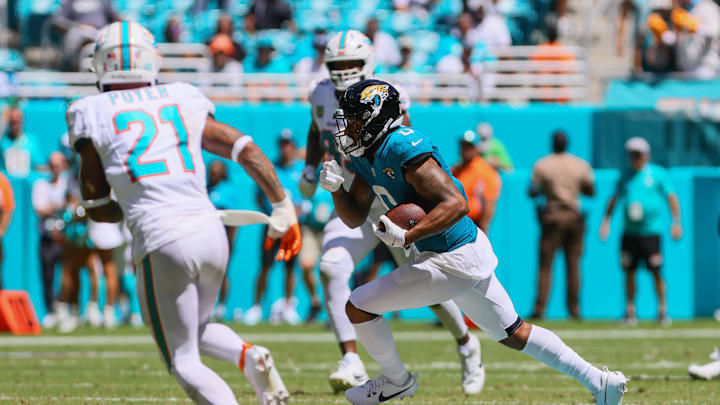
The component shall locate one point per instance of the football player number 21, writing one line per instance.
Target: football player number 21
(136, 166)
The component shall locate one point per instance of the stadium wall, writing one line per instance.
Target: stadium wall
(691, 268)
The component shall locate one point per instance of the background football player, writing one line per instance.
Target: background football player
(349, 59)
(144, 141)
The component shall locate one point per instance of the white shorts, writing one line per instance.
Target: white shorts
(106, 235)
(311, 245)
(465, 275)
(178, 286)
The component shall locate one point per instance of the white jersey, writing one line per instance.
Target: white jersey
(324, 102)
(149, 142)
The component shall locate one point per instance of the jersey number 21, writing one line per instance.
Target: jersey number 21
(135, 166)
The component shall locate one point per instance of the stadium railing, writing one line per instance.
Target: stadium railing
(516, 73)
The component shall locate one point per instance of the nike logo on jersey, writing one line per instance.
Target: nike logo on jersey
(382, 398)
(416, 142)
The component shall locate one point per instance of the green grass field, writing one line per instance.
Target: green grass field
(94, 367)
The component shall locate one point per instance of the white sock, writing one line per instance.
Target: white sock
(450, 316)
(378, 340)
(222, 343)
(547, 347)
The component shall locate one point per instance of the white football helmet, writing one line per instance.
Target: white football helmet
(350, 45)
(125, 52)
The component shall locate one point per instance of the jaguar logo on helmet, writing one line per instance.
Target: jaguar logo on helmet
(374, 95)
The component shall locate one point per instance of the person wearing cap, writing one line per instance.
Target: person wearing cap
(289, 169)
(560, 177)
(266, 60)
(406, 64)
(223, 53)
(643, 189)
(492, 149)
(480, 181)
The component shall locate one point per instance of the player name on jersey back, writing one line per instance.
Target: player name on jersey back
(149, 142)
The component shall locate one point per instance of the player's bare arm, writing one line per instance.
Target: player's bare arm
(353, 206)
(313, 152)
(605, 225)
(435, 186)
(94, 186)
(219, 138)
(676, 228)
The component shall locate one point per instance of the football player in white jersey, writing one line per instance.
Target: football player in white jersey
(349, 59)
(144, 142)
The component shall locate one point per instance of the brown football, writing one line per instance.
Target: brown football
(405, 216)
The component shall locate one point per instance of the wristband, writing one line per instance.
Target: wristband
(238, 146)
(98, 202)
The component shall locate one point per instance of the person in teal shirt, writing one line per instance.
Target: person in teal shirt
(289, 169)
(266, 59)
(19, 153)
(224, 196)
(644, 190)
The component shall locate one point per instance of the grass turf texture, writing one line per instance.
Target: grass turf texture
(123, 366)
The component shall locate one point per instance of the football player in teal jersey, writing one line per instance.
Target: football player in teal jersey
(453, 259)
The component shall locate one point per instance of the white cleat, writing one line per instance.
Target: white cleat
(707, 371)
(253, 316)
(614, 386)
(109, 319)
(380, 389)
(473, 372)
(350, 373)
(136, 321)
(93, 315)
(259, 368)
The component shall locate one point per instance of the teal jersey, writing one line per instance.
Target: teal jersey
(385, 175)
(224, 195)
(289, 176)
(20, 156)
(644, 194)
(315, 212)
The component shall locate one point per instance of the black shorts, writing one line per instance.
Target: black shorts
(641, 248)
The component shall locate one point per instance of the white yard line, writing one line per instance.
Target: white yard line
(134, 340)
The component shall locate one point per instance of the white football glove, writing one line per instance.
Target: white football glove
(308, 183)
(331, 178)
(393, 235)
(282, 218)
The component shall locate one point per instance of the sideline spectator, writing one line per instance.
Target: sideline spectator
(643, 189)
(698, 26)
(20, 154)
(406, 64)
(266, 59)
(226, 27)
(492, 149)
(314, 214)
(561, 177)
(481, 181)
(552, 50)
(223, 51)
(80, 20)
(7, 206)
(223, 195)
(464, 30)
(492, 29)
(656, 43)
(173, 31)
(386, 49)
(315, 65)
(272, 14)
(289, 169)
(48, 198)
